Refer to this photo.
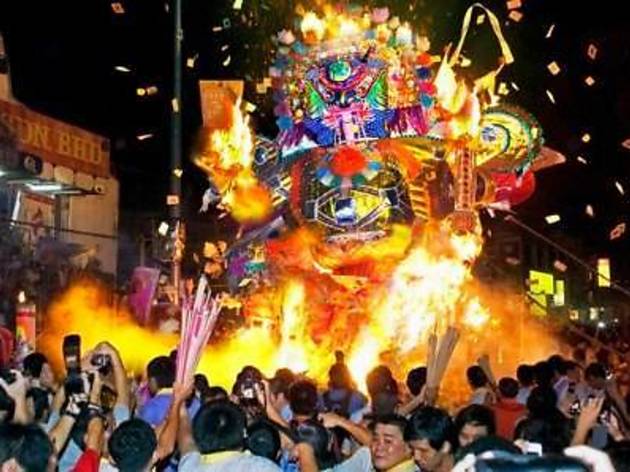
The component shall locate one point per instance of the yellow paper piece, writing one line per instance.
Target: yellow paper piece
(552, 219)
(552, 99)
(554, 68)
(619, 188)
(514, 86)
(582, 160)
(172, 200)
(550, 31)
(589, 211)
(237, 5)
(515, 16)
(175, 105)
(586, 138)
(250, 107)
(480, 19)
(152, 90)
(589, 81)
(559, 265)
(190, 62)
(227, 61)
(503, 89)
(141, 92)
(178, 173)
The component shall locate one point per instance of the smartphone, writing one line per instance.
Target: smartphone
(72, 353)
(533, 449)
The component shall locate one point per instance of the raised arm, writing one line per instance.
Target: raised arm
(361, 434)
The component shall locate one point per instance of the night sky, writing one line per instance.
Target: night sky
(63, 56)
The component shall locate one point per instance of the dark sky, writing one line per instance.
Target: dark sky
(63, 53)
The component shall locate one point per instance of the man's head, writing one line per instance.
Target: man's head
(595, 376)
(474, 422)
(25, 449)
(132, 446)
(476, 377)
(219, 426)
(263, 439)
(543, 374)
(416, 378)
(161, 373)
(36, 367)
(381, 380)
(558, 366)
(574, 371)
(303, 398)
(429, 434)
(388, 444)
(525, 375)
(279, 388)
(339, 377)
(542, 402)
(508, 387)
(214, 394)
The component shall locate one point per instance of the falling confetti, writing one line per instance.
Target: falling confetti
(237, 5)
(152, 90)
(163, 228)
(225, 47)
(503, 89)
(626, 143)
(141, 92)
(582, 160)
(227, 61)
(118, 8)
(250, 107)
(552, 219)
(560, 266)
(619, 188)
(190, 62)
(513, 261)
(172, 200)
(178, 173)
(552, 99)
(586, 138)
(589, 81)
(515, 16)
(589, 211)
(142, 137)
(554, 68)
(122, 69)
(175, 105)
(618, 231)
(592, 52)
(513, 4)
(514, 86)
(480, 19)
(550, 31)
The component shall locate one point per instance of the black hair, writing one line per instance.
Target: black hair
(41, 404)
(28, 445)
(384, 403)
(314, 433)
(416, 378)
(215, 393)
(280, 384)
(525, 375)
(558, 364)
(381, 380)
(201, 383)
(33, 364)
(542, 402)
(303, 398)
(476, 376)
(543, 374)
(219, 426)
(487, 444)
(595, 370)
(476, 415)
(506, 462)
(392, 420)
(263, 439)
(508, 387)
(162, 369)
(132, 445)
(554, 433)
(433, 424)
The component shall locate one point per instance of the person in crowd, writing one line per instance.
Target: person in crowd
(543, 374)
(416, 379)
(38, 372)
(474, 422)
(341, 397)
(216, 441)
(161, 376)
(303, 400)
(429, 434)
(215, 393)
(25, 448)
(559, 379)
(387, 452)
(279, 388)
(507, 410)
(263, 439)
(525, 376)
(383, 395)
(481, 390)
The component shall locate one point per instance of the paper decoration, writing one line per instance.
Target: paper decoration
(554, 68)
(552, 219)
(618, 231)
(550, 31)
(515, 16)
(559, 265)
(592, 52)
(589, 81)
(589, 211)
(552, 99)
(586, 138)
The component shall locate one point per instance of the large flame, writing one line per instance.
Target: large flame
(375, 317)
(228, 158)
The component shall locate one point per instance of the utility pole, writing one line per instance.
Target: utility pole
(175, 193)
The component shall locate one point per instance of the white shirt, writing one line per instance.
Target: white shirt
(229, 461)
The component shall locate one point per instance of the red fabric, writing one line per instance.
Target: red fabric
(7, 344)
(507, 413)
(89, 461)
(508, 187)
(347, 162)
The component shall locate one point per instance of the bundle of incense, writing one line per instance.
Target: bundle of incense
(484, 363)
(438, 358)
(199, 316)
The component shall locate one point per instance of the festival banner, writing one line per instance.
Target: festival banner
(144, 283)
(55, 142)
(38, 214)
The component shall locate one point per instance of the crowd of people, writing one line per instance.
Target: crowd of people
(559, 414)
